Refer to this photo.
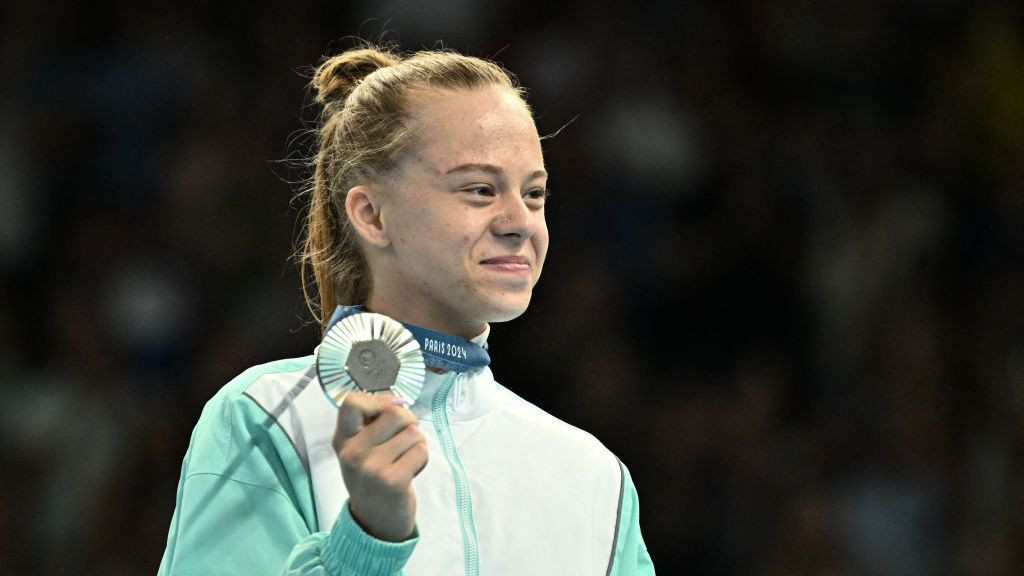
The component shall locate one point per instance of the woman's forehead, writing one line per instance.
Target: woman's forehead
(469, 114)
(454, 127)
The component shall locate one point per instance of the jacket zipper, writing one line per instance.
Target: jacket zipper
(462, 496)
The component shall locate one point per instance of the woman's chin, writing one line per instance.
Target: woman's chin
(508, 308)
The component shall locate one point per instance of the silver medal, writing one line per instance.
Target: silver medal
(371, 353)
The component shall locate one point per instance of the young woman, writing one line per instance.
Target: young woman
(427, 206)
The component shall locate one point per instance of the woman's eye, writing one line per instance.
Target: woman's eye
(481, 191)
(538, 194)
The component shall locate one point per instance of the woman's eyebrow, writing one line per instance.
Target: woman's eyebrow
(475, 167)
(490, 169)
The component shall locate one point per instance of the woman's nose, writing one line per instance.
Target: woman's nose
(513, 219)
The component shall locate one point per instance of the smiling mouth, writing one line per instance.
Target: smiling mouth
(517, 264)
(521, 260)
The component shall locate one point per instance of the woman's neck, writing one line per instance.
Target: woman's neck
(467, 330)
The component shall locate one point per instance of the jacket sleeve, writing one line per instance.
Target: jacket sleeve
(244, 507)
(348, 551)
(630, 557)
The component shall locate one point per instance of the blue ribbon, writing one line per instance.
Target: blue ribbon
(440, 350)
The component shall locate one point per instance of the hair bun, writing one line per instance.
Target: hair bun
(337, 76)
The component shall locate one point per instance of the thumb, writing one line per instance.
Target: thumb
(359, 409)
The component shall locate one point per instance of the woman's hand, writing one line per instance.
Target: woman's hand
(381, 450)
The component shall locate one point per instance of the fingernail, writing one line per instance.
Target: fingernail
(399, 401)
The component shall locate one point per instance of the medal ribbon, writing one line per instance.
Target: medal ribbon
(440, 350)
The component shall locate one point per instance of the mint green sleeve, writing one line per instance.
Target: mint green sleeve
(630, 557)
(245, 507)
(348, 551)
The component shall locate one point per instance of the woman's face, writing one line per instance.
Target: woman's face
(464, 214)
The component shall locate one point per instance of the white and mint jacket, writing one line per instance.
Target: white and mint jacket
(508, 489)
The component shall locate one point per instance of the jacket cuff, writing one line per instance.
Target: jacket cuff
(350, 550)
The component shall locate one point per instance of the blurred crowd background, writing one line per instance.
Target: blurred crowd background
(785, 283)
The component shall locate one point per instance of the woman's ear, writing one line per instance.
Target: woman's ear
(363, 208)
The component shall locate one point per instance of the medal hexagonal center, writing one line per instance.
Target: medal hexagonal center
(372, 365)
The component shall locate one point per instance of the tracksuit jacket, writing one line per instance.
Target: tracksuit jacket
(508, 489)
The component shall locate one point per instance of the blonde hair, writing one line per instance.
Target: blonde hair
(363, 129)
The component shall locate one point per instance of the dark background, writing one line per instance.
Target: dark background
(785, 282)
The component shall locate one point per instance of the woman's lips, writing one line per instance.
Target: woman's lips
(512, 264)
